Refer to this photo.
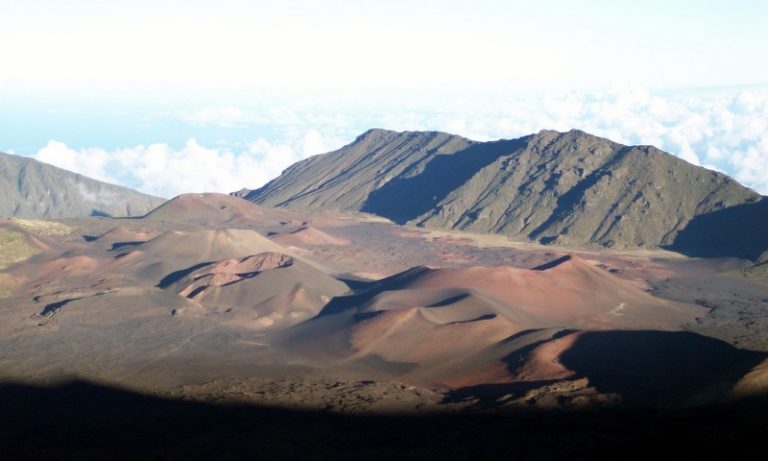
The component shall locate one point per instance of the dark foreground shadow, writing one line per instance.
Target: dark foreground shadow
(85, 421)
(739, 232)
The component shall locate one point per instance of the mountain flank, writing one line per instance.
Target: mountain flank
(32, 189)
(568, 188)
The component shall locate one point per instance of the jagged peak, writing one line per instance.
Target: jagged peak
(572, 134)
(381, 133)
(375, 133)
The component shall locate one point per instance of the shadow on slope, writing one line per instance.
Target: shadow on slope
(405, 198)
(86, 421)
(659, 367)
(365, 291)
(178, 275)
(567, 203)
(740, 231)
(645, 368)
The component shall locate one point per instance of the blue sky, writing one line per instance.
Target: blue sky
(227, 94)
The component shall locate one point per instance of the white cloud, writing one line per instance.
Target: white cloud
(88, 162)
(314, 143)
(726, 131)
(162, 170)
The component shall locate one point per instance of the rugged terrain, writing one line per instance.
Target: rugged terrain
(32, 189)
(211, 288)
(212, 320)
(563, 188)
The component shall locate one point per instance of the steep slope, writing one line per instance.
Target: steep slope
(565, 188)
(32, 189)
(740, 231)
(345, 178)
(574, 188)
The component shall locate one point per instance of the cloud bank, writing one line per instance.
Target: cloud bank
(726, 130)
(161, 170)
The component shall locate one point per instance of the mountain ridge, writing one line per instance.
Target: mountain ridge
(34, 189)
(565, 188)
